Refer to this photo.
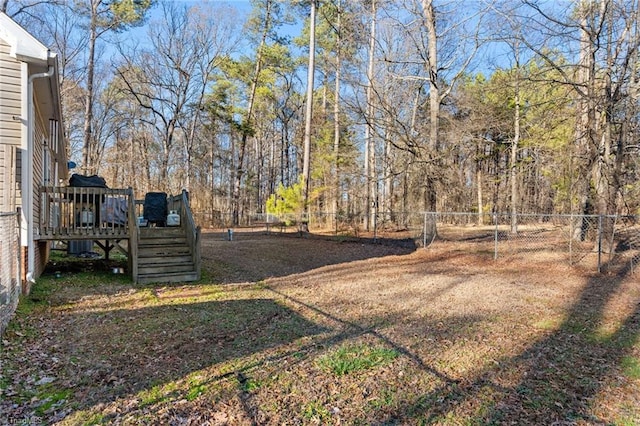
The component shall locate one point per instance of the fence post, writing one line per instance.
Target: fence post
(571, 233)
(495, 237)
(599, 243)
(424, 231)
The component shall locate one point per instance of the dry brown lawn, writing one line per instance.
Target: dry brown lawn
(287, 330)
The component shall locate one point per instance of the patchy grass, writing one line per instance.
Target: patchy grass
(50, 399)
(315, 412)
(352, 358)
(352, 334)
(548, 324)
(631, 367)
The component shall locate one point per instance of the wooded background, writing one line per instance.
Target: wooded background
(417, 105)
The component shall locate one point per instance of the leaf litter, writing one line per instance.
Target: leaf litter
(475, 341)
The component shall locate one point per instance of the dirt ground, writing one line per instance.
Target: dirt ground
(292, 330)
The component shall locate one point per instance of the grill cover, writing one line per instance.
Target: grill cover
(155, 207)
(94, 181)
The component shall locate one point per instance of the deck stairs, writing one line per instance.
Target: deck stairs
(165, 255)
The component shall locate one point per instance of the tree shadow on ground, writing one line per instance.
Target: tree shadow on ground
(107, 354)
(560, 375)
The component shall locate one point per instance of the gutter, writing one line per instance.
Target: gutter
(28, 188)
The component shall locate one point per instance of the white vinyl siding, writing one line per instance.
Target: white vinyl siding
(41, 130)
(7, 178)
(10, 97)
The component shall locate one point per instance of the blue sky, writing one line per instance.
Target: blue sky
(238, 3)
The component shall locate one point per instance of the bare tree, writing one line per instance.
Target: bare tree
(604, 36)
(168, 78)
(16, 9)
(104, 16)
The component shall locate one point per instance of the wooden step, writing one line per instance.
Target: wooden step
(177, 277)
(167, 232)
(159, 260)
(163, 240)
(164, 255)
(158, 251)
(145, 269)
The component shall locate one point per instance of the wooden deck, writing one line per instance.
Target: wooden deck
(75, 213)
(109, 218)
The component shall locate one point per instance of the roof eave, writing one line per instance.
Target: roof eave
(24, 46)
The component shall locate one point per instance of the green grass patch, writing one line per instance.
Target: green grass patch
(89, 279)
(250, 385)
(4, 382)
(195, 391)
(38, 298)
(631, 367)
(196, 387)
(315, 411)
(51, 398)
(386, 398)
(549, 324)
(95, 419)
(158, 394)
(348, 359)
(627, 421)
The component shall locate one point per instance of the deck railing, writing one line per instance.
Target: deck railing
(85, 213)
(180, 203)
(135, 236)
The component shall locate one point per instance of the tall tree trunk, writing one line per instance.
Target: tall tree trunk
(144, 153)
(434, 99)
(212, 181)
(369, 147)
(434, 93)
(306, 160)
(513, 175)
(191, 136)
(336, 121)
(87, 147)
(583, 131)
(387, 198)
(603, 119)
(605, 183)
(163, 181)
(479, 190)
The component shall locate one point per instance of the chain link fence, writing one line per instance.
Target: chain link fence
(601, 243)
(10, 287)
(597, 243)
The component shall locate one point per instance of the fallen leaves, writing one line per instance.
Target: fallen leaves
(474, 342)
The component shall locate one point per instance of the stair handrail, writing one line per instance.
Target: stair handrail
(134, 236)
(192, 231)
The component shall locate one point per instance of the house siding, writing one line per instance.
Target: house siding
(10, 97)
(10, 128)
(12, 147)
(7, 177)
(41, 133)
(18, 152)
